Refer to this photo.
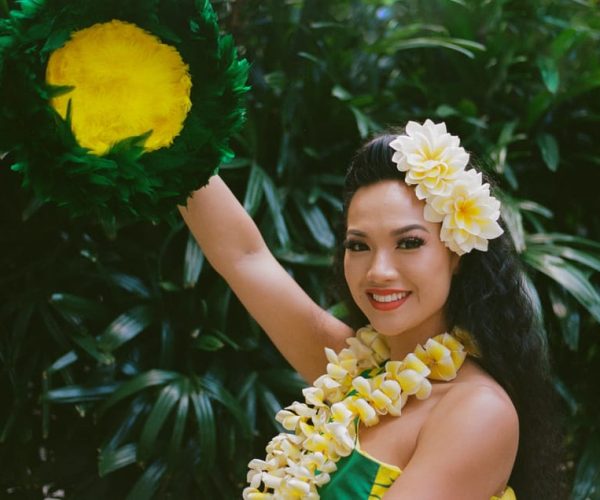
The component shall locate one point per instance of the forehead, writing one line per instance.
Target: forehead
(389, 202)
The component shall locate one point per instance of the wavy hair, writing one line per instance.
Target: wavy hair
(488, 297)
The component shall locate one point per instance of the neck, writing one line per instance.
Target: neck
(406, 342)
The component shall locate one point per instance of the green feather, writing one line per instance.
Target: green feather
(126, 183)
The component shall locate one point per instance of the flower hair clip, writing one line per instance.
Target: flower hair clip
(435, 163)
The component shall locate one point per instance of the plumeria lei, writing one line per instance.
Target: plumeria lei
(435, 163)
(360, 383)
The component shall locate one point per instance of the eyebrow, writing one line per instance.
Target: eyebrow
(394, 232)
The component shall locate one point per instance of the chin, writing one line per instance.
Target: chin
(386, 329)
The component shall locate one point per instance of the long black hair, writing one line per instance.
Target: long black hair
(488, 298)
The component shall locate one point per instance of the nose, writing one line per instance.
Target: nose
(381, 268)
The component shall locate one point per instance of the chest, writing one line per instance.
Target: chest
(394, 439)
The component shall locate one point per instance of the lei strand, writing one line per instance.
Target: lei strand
(322, 430)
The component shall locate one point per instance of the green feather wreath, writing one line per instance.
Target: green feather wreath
(127, 181)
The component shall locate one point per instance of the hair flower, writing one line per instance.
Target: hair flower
(434, 162)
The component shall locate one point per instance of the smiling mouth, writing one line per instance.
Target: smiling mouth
(387, 301)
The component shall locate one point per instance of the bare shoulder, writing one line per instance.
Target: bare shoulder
(477, 405)
(470, 438)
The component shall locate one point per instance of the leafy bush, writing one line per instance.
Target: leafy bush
(129, 369)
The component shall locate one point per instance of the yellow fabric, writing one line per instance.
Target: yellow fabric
(125, 82)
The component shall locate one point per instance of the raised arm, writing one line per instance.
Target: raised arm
(232, 243)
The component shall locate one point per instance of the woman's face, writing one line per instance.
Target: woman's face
(396, 266)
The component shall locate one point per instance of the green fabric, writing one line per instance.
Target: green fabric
(353, 479)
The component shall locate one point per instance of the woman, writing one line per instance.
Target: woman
(423, 254)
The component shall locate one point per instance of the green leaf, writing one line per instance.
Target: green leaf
(179, 423)
(567, 395)
(254, 189)
(125, 327)
(207, 342)
(77, 308)
(130, 284)
(341, 93)
(137, 408)
(283, 379)
(148, 483)
(563, 238)
(567, 315)
(111, 460)
(306, 259)
(465, 47)
(316, 222)
(364, 124)
(582, 257)
(207, 431)
(276, 210)
(549, 72)
(90, 345)
(514, 221)
(167, 340)
(587, 475)
(143, 381)
(269, 401)
(217, 391)
(78, 393)
(165, 403)
(192, 263)
(62, 362)
(549, 149)
(568, 276)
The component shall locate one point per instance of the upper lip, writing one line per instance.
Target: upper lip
(385, 291)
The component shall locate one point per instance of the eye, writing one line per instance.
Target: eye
(355, 246)
(410, 243)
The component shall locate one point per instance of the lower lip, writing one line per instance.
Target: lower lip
(387, 306)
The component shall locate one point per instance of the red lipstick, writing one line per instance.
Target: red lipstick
(387, 306)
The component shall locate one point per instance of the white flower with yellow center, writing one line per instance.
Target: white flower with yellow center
(434, 162)
(468, 214)
(430, 156)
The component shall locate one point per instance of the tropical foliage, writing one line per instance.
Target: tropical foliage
(129, 370)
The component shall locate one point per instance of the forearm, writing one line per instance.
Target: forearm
(221, 226)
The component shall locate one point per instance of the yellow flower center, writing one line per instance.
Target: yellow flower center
(126, 83)
(467, 209)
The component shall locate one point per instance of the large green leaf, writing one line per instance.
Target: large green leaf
(112, 460)
(276, 211)
(143, 381)
(78, 308)
(126, 327)
(254, 189)
(192, 263)
(181, 415)
(316, 222)
(148, 483)
(568, 276)
(163, 406)
(207, 431)
(77, 393)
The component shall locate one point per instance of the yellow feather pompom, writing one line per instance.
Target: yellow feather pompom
(126, 83)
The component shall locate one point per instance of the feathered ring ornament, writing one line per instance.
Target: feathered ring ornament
(118, 110)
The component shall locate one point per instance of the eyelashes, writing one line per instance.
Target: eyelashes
(408, 243)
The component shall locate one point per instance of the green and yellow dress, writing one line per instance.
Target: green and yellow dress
(360, 476)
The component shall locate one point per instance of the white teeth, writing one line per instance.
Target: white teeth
(390, 297)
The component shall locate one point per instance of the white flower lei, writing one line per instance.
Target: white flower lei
(435, 163)
(322, 429)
